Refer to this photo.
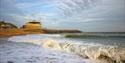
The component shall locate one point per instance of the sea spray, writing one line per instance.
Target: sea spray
(109, 53)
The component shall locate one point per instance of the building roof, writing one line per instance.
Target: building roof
(33, 22)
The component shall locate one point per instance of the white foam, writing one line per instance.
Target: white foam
(92, 51)
(28, 53)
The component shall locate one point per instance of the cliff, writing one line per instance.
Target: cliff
(9, 29)
(61, 31)
(6, 25)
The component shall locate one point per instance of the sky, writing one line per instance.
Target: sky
(84, 15)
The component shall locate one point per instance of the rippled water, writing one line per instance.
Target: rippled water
(110, 48)
(115, 41)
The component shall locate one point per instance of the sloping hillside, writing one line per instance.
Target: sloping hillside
(6, 24)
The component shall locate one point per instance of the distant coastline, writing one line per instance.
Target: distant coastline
(35, 27)
(32, 27)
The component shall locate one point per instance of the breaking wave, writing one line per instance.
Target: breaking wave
(111, 54)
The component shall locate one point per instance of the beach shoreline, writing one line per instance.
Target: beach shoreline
(17, 32)
(47, 42)
(15, 52)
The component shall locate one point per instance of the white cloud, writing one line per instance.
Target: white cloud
(105, 15)
(26, 5)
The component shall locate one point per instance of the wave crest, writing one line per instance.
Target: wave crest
(109, 53)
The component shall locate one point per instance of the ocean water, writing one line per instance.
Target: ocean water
(110, 49)
(113, 41)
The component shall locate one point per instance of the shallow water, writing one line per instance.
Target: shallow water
(13, 52)
(109, 49)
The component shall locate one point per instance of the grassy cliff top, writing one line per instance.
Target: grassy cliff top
(6, 23)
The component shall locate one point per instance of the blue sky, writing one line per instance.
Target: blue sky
(85, 15)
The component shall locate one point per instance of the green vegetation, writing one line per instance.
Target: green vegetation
(2, 23)
(91, 36)
(83, 36)
(6, 23)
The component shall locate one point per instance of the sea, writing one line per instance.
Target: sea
(110, 47)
